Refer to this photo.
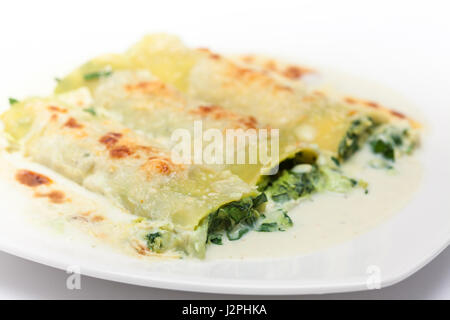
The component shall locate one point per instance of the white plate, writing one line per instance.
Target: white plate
(416, 66)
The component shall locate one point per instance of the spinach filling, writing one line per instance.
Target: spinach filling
(235, 219)
(154, 241)
(384, 140)
(390, 142)
(298, 177)
(293, 184)
(355, 137)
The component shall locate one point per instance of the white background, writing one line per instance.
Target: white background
(410, 33)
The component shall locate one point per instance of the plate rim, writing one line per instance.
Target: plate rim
(223, 286)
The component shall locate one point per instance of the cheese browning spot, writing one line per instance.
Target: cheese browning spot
(378, 106)
(254, 77)
(211, 54)
(219, 113)
(163, 167)
(79, 218)
(350, 100)
(294, 72)
(248, 59)
(87, 217)
(120, 152)
(141, 249)
(398, 114)
(153, 88)
(97, 219)
(72, 123)
(110, 138)
(214, 56)
(54, 196)
(271, 65)
(57, 109)
(32, 179)
(291, 72)
(159, 165)
(250, 122)
(372, 104)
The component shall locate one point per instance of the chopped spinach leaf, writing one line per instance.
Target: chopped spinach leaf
(235, 218)
(215, 238)
(237, 233)
(259, 200)
(397, 139)
(336, 161)
(281, 197)
(386, 149)
(390, 142)
(275, 219)
(356, 135)
(268, 227)
(13, 101)
(291, 185)
(96, 75)
(296, 181)
(381, 164)
(154, 241)
(90, 110)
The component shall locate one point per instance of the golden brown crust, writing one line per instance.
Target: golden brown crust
(250, 77)
(387, 111)
(110, 139)
(54, 196)
(294, 72)
(160, 164)
(155, 87)
(210, 54)
(73, 124)
(31, 178)
(119, 152)
(219, 113)
(123, 144)
(97, 218)
(57, 109)
(289, 71)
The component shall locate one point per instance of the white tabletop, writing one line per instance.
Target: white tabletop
(22, 279)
